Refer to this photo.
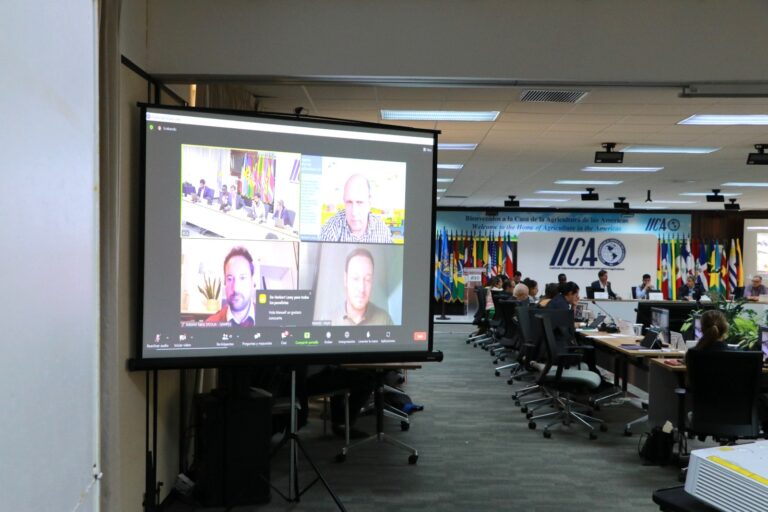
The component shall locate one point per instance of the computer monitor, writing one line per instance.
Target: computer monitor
(764, 341)
(580, 312)
(660, 321)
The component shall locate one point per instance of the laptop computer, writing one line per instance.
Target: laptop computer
(596, 322)
(651, 340)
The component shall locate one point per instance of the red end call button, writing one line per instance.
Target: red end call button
(419, 335)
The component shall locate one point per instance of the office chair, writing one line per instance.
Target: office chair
(590, 292)
(561, 380)
(634, 292)
(509, 337)
(724, 388)
(480, 319)
(290, 217)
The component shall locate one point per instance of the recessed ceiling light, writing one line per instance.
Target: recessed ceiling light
(674, 202)
(441, 190)
(444, 180)
(589, 182)
(438, 198)
(562, 192)
(439, 115)
(447, 146)
(652, 208)
(544, 199)
(757, 228)
(620, 169)
(450, 167)
(724, 194)
(726, 120)
(745, 184)
(670, 149)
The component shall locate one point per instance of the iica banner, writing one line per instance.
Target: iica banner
(626, 257)
(513, 223)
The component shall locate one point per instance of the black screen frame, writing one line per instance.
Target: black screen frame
(140, 363)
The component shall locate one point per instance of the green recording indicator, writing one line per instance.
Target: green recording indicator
(151, 127)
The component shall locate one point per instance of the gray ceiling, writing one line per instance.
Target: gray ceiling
(531, 145)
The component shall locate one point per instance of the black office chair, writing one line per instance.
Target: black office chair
(724, 388)
(509, 336)
(590, 292)
(560, 380)
(634, 292)
(481, 319)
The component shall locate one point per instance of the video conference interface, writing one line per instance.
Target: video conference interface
(268, 236)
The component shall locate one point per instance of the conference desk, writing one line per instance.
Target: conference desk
(235, 224)
(666, 375)
(614, 347)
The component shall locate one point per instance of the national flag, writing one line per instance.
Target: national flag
(509, 264)
(446, 279)
(723, 270)
(732, 271)
(659, 269)
(714, 268)
(459, 280)
(740, 264)
(665, 269)
(690, 267)
(703, 265)
(673, 285)
(486, 258)
(500, 256)
(492, 260)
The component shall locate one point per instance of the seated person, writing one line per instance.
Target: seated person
(507, 286)
(225, 200)
(603, 285)
(533, 289)
(356, 223)
(755, 289)
(550, 292)
(358, 309)
(644, 288)
(517, 276)
(235, 199)
(239, 287)
(562, 279)
(567, 298)
(691, 290)
(494, 285)
(520, 292)
(281, 214)
(324, 379)
(258, 211)
(714, 329)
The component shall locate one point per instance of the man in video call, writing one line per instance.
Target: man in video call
(258, 209)
(356, 223)
(358, 282)
(238, 287)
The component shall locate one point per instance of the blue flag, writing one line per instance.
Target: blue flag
(445, 288)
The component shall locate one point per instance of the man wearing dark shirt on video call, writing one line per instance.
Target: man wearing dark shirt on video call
(238, 289)
(358, 284)
(356, 223)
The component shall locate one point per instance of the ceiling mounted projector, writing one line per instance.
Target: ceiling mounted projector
(621, 205)
(609, 156)
(715, 196)
(590, 195)
(759, 158)
(733, 206)
(511, 203)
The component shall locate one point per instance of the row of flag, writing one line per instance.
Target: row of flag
(258, 175)
(716, 265)
(456, 251)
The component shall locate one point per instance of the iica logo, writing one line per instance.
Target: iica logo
(662, 224)
(575, 252)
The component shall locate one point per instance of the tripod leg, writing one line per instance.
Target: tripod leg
(336, 499)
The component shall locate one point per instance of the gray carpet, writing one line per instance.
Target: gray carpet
(477, 453)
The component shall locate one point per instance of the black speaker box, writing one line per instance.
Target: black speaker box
(232, 445)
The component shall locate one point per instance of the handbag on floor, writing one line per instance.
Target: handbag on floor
(655, 447)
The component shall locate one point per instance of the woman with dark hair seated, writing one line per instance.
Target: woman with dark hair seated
(533, 289)
(550, 292)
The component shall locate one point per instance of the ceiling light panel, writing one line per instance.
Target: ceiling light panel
(544, 199)
(444, 180)
(755, 184)
(620, 169)
(450, 167)
(702, 194)
(726, 120)
(439, 115)
(561, 192)
(588, 182)
(446, 146)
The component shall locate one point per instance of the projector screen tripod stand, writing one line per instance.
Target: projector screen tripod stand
(294, 441)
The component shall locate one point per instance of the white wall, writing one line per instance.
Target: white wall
(49, 260)
(547, 40)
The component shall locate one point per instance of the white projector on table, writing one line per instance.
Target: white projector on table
(730, 478)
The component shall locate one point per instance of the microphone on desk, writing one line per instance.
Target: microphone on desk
(613, 326)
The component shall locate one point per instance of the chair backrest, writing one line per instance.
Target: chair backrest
(481, 293)
(634, 292)
(506, 308)
(553, 344)
(290, 217)
(590, 292)
(724, 388)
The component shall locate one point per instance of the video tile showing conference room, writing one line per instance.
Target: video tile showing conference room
(352, 200)
(353, 284)
(248, 194)
(236, 283)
